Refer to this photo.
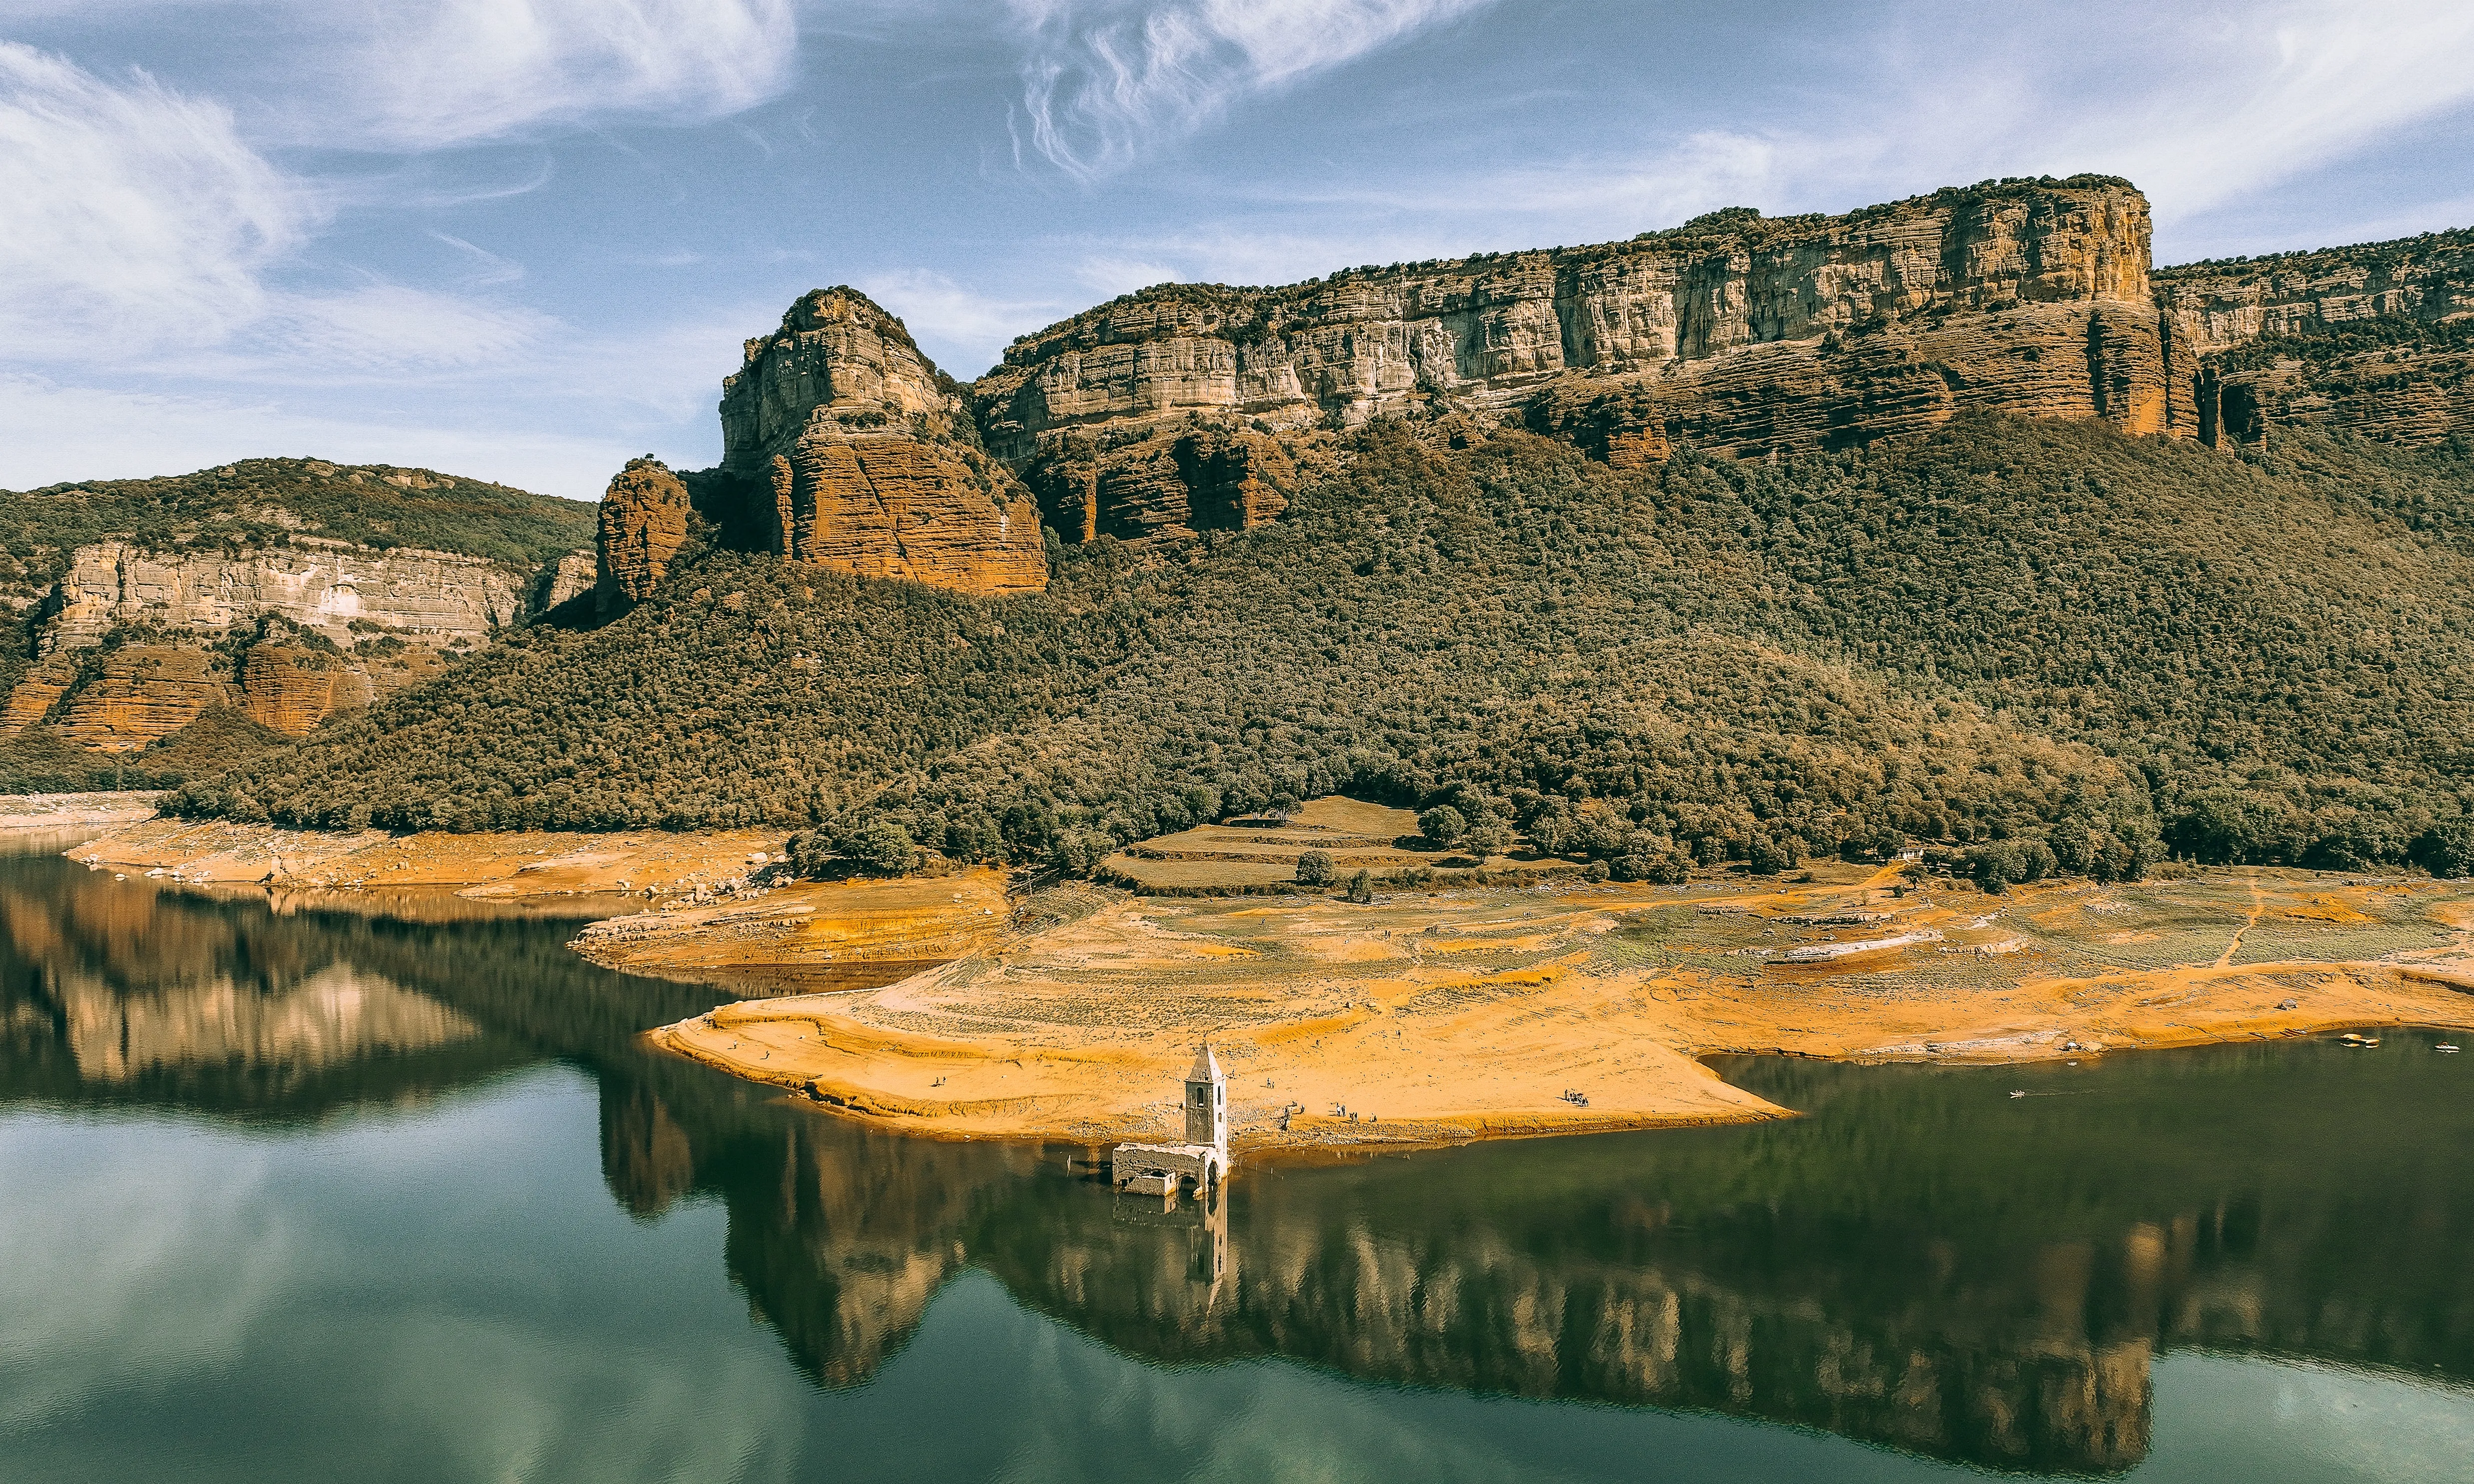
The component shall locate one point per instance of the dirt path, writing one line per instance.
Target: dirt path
(2258, 906)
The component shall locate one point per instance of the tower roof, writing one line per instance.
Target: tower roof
(1205, 1067)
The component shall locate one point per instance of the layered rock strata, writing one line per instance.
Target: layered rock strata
(330, 588)
(2373, 338)
(2217, 306)
(851, 451)
(1196, 407)
(644, 523)
(1732, 334)
(132, 643)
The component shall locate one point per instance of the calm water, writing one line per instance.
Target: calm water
(310, 1195)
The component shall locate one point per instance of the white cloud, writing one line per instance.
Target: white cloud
(2287, 90)
(386, 327)
(1103, 79)
(420, 78)
(132, 213)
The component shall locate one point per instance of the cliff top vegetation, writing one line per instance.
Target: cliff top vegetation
(260, 500)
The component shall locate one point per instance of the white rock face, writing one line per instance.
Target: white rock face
(422, 597)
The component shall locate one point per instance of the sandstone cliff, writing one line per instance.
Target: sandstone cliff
(131, 644)
(1191, 405)
(324, 587)
(643, 522)
(2372, 338)
(851, 451)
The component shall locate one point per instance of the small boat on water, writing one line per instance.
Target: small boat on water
(2359, 1041)
(2445, 1046)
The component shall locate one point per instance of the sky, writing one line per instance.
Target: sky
(524, 240)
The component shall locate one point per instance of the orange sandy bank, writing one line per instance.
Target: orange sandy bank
(511, 865)
(809, 934)
(1468, 1015)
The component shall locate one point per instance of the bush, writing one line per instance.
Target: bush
(1361, 887)
(1442, 825)
(1314, 869)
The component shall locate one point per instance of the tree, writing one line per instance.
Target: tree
(2446, 849)
(1361, 887)
(1078, 851)
(1314, 869)
(1442, 825)
(883, 849)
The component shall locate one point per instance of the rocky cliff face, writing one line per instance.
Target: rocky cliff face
(132, 643)
(643, 522)
(328, 587)
(1185, 406)
(851, 451)
(1194, 407)
(2373, 338)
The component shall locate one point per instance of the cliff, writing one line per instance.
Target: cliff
(1188, 406)
(210, 591)
(644, 521)
(1196, 407)
(2377, 338)
(853, 452)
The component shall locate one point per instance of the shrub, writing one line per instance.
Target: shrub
(1314, 869)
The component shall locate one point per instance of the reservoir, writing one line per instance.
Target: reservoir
(295, 1192)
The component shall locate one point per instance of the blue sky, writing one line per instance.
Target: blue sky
(523, 239)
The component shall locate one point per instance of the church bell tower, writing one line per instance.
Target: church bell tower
(1206, 1104)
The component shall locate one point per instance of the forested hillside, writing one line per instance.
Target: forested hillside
(2006, 628)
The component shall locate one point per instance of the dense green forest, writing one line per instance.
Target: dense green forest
(2011, 631)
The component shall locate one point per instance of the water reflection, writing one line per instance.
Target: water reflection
(1926, 1262)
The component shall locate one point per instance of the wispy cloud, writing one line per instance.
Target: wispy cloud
(132, 213)
(389, 329)
(1103, 79)
(426, 77)
(2293, 88)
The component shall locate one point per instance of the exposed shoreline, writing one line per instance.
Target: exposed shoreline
(1424, 1019)
(1462, 1015)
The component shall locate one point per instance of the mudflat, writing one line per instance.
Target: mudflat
(1434, 1018)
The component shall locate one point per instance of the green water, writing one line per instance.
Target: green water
(310, 1195)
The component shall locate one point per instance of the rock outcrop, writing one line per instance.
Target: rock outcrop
(1185, 406)
(2215, 306)
(1196, 407)
(644, 523)
(2377, 338)
(132, 643)
(334, 588)
(1188, 406)
(849, 450)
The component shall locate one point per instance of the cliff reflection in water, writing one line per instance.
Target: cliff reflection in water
(1926, 1263)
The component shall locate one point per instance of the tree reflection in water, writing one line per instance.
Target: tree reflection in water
(1924, 1262)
